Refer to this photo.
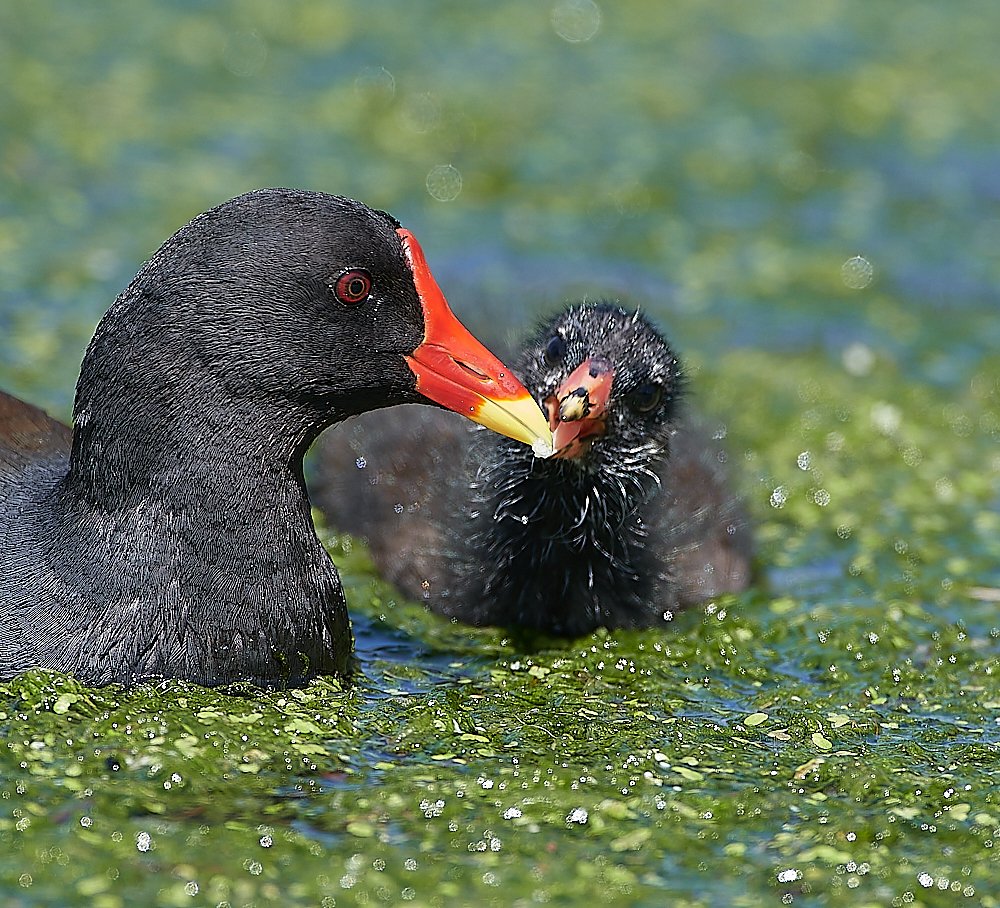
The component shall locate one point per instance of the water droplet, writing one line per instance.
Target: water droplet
(576, 20)
(376, 85)
(886, 418)
(858, 359)
(101, 264)
(245, 53)
(797, 171)
(803, 460)
(420, 113)
(944, 489)
(857, 273)
(444, 183)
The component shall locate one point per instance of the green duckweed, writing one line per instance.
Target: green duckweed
(828, 738)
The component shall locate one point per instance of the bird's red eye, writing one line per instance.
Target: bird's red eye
(353, 286)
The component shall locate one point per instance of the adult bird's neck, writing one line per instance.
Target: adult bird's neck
(225, 577)
(156, 410)
(157, 449)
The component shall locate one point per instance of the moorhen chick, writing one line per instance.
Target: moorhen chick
(629, 521)
(169, 534)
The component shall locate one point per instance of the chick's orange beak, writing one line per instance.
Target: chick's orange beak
(577, 411)
(455, 370)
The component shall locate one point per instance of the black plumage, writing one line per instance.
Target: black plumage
(171, 533)
(633, 522)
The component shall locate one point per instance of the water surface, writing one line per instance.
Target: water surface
(829, 738)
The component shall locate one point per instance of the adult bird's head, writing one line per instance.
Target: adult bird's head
(296, 309)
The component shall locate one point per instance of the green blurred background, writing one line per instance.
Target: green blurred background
(828, 738)
(711, 159)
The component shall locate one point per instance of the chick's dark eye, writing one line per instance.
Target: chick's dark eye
(555, 349)
(646, 397)
(353, 287)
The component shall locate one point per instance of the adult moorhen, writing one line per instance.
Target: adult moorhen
(629, 521)
(170, 535)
